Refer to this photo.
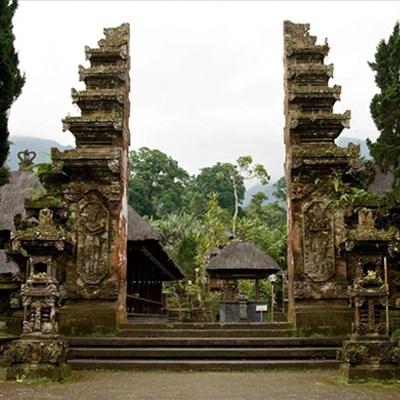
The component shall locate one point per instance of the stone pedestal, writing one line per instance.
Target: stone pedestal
(35, 358)
(328, 318)
(241, 311)
(370, 359)
(88, 318)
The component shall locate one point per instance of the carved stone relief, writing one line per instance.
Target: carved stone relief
(93, 242)
(319, 251)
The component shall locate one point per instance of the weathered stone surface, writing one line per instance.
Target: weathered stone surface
(75, 249)
(315, 169)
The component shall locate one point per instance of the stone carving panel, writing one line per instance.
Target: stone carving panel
(319, 251)
(93, 242)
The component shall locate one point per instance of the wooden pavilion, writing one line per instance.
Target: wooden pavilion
(242, 260)
(149, 265)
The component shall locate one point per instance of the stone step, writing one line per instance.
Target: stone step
(204, 353)
(132, 325)
(206, 333)
(203, 365)
(285, 342)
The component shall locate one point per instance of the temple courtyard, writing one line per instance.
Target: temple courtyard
(276, 385)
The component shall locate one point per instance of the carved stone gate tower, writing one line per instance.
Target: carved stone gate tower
(96, 189)
(315, 168)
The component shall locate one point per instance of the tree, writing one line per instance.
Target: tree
(227, 180)
(385, 106)
(157, 183)
(280, 190)
(180, 234)
(244, 169)
(11, 80)
(215, 179)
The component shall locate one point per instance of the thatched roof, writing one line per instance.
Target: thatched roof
(140, 229)
(141, 233)
(12, 196)
(242, 260)
(7, 266)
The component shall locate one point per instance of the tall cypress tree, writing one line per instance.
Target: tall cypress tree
(385, 106)
(11, 80)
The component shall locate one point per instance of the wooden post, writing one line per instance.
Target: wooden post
(257, 289)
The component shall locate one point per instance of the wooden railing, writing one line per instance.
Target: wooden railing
(140, 305)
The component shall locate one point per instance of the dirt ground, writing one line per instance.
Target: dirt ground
(125, 385)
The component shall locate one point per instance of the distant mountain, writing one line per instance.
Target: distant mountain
(258, 187)
(42, 148)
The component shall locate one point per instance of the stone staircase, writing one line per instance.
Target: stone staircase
(202, 346)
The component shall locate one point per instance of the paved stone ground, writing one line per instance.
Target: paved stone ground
(124, 385)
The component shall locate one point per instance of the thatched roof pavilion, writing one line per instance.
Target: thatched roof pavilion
(12, 197)
(242, 260)
(143, 236)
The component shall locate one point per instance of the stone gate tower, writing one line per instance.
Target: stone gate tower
(96, 189)
(315, 168)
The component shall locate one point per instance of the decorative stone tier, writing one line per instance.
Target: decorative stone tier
(103, 76)
(102, 163)
(322, 160)
(309, 74)
(302, 54)
(93, 101)
(322, 126)
(95, 130)
(311, 98)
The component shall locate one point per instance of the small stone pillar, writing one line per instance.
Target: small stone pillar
(370, 353)
(39, 353)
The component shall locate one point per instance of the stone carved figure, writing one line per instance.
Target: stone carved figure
(319, 262)
(26, 158)
(93, 242)
(45, 217)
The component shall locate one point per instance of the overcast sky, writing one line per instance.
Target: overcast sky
(207, 76)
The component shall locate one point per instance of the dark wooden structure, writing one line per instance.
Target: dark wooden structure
(149, 265)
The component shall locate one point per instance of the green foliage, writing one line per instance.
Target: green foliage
(272, 214)
(157, 183)
(180, 234)
(272, 240)
(280, 189)
(215, 179)
(11, 80)
(385, 106)
(50, 180)
(248, 288)
(245, 170)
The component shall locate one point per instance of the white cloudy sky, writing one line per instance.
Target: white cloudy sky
(207, 76)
